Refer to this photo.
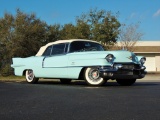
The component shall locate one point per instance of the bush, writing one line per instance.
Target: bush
(6, 70)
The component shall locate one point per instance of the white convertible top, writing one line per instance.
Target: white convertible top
(43, 48)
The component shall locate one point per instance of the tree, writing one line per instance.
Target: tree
(82, 30)
(30, 33)
(6, 35)
(128, 37)
(103, 25)
(79, 31)
(53, 33)
(99, 25)
(20, 36)
(68, 31)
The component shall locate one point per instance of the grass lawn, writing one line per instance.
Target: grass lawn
(12, 78)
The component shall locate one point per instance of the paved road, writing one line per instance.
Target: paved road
(54, 101)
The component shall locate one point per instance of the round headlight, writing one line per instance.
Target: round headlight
(109, 57)
(143, 60)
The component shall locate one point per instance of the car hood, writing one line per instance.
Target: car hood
(120, 56)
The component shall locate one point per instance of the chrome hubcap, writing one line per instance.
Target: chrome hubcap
(30, 75)
(94, 75)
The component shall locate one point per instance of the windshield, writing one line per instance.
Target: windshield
(82, 46)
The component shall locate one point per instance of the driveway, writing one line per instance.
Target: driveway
(50, 100)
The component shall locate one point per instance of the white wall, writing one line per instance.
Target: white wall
(152, 61)
(157, 60)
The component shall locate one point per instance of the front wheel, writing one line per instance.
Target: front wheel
(30, 77)
(126, 82)
(92, 77)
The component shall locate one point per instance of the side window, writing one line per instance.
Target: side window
(47, 51)
(77, 46)
(83, 46)
(58, 49)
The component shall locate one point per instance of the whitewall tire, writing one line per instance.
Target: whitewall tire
(92, 77)
(30, 77)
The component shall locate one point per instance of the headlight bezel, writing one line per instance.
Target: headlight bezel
(109, 58)
(143, 60)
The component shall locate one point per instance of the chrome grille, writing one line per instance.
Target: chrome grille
(128, 66)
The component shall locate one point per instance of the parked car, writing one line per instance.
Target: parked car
(81, 59)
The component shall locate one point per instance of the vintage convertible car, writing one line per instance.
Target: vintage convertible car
(81, 59)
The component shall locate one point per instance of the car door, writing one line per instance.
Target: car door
(55, 64)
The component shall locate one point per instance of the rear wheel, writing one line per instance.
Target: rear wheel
(30, 77)
(65, 81)
(92, 77)
(126, 82)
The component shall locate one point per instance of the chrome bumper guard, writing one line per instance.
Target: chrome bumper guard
(122, 71)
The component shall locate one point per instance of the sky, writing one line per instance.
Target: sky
(145, 12)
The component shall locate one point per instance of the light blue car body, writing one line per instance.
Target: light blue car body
(70, 65)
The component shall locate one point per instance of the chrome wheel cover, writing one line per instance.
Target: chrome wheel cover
(93, 74)
(29, 75)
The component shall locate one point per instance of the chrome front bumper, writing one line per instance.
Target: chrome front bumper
(122, 71)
